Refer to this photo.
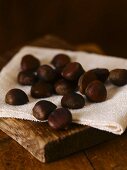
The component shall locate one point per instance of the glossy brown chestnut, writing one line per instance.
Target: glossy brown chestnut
(101, 73)
(26, 78)
(41, 89)
(16, 97)
(72, 71)
(46, 73)
(84, 80)
(73, 101)
(42, 109)
(96, 91)
(118, 77)
(60, 60)
(29, 62)
(60, 118)
(63, 86)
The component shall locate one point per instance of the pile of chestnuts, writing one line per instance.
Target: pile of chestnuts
(62, 78)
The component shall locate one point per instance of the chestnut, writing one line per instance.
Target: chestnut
(60, 60)
(101, 73)
(118, 77)
(29, 62)
(46, 73)
(41, 89)
(42, 109)
(16, 97)
(26, 78)
(60, 118)
(84, 80)
(96, 91)
(73, 101)
(72, 71)
(63, 86)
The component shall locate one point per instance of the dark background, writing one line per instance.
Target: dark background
(78, 21)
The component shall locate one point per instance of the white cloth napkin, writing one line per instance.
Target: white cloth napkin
(110, 115)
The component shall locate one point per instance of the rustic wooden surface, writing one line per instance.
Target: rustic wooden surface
(110, 155)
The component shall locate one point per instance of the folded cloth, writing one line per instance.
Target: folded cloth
(110, 115)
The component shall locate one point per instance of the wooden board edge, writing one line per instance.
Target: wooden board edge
(54, 150)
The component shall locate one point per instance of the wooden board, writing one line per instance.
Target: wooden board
(38, 138)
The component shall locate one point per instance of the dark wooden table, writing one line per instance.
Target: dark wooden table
(105, 156)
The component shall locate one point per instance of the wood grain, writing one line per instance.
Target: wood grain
(15, 157)
(111, 155)
(48, 145)
(40, 140)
